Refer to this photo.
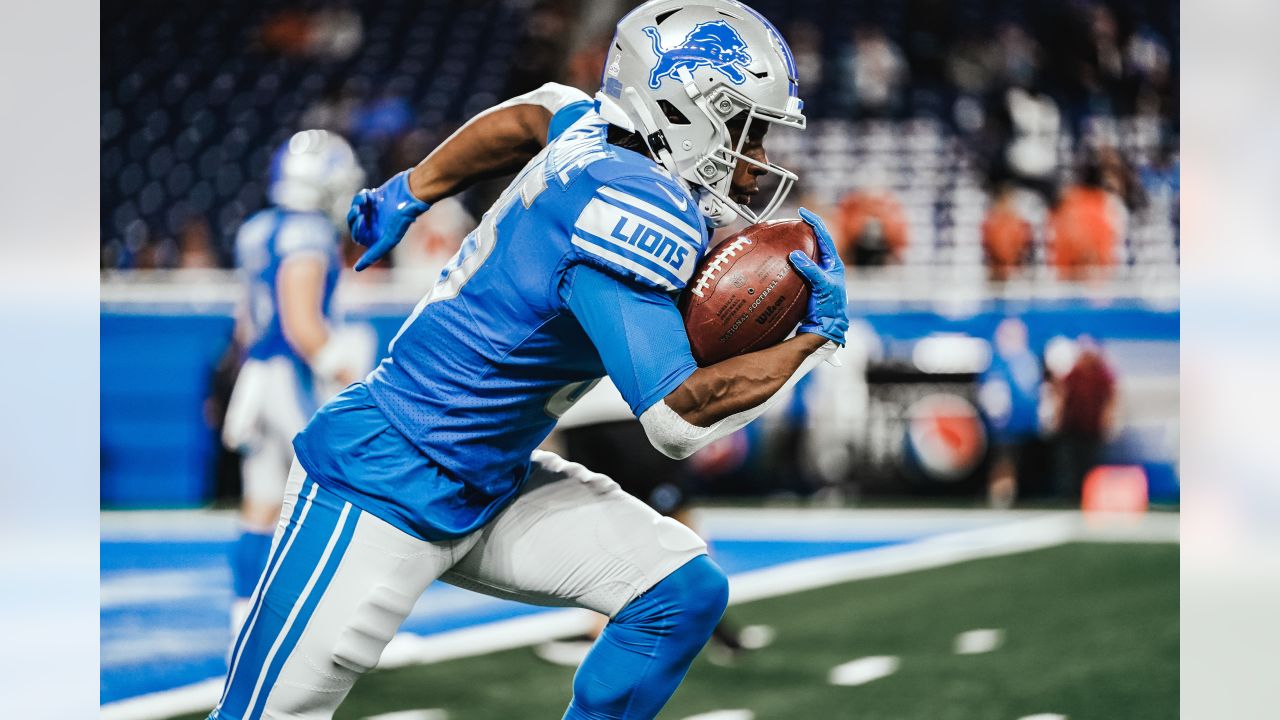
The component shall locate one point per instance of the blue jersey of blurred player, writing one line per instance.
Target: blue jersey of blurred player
(429, 468)
(295, 356)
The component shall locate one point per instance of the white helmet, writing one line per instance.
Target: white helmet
(315, 170)
(710, 60)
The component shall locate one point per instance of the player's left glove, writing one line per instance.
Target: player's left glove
(379, 218)
(827, 315)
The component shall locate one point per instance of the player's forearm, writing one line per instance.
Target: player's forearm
(306, 338)
(740, 383)
(496, 142)
(299, 297)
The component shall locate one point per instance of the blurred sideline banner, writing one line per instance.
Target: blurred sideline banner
(164, 333)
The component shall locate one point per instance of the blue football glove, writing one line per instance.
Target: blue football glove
(379, 218)
(827, 315)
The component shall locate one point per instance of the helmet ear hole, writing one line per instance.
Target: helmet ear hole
(663, 16)
(674, 116)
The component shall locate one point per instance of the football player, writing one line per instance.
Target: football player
(296, 357)
(428, 468)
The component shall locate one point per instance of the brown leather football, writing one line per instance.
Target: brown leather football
(744, 295)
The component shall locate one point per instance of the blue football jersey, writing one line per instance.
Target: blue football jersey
(1009, 392)
(571, 274)
(262, 244)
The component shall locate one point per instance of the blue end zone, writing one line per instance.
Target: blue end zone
(165, 621)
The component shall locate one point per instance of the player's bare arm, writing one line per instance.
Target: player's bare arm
(301, 299)
(494, 143)
(300, 292)
(740, 383)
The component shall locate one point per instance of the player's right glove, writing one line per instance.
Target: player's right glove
(379, 218)
(827, 315)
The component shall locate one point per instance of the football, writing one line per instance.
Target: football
(744, 295)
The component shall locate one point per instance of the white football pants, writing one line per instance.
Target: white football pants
(340, 581)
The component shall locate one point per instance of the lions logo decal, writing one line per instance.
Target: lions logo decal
(715, 44)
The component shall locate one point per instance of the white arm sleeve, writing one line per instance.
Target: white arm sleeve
(552, 96)
(675, 437)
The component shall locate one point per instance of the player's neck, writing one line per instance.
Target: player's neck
(628, 140)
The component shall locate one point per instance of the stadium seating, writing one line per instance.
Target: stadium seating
(193, 104)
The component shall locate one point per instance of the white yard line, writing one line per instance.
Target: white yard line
(735, 714)
(1021, 532)
(937, 551)
(404, 649)
(189, 698)
(976, 642)
(863, 670)
(428, 714)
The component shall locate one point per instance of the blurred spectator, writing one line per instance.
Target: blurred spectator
(195, 245)
(1160, 178)
(1105, 67)
(543, 45)
(336, 110)
(1009, 394)
(287, 32)
(1087, 67)
(970, 66)
(874, 73)
(330, 33)
(1089, 220)
(1147, 70)
(384, 117)
(870, 228)
(336, 33)
(586, 65)
(926, 34)
(1082, 413)
(1006, 236)
(1025, 127)
(1017, 56)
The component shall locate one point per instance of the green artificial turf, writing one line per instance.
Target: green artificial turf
(1090, 631)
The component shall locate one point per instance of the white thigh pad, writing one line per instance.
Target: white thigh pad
(574, 538)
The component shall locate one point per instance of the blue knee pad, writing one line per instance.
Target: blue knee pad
(645, 651)
(248, 559)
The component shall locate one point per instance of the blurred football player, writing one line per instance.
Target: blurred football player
(296, 357)
(428, 468)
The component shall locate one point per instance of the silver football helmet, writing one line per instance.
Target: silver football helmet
(315, 170)
(709, 61)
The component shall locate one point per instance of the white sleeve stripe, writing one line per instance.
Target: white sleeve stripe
(552, 96)
(677, 223)
(621, 261)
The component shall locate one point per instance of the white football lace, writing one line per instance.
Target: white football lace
(730, 250)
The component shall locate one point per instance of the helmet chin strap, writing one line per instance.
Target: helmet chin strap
(709, 205)
(654, 138)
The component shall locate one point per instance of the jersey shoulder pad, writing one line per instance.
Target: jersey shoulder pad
(251, 239)
(640, 225)
(566, 117)
(566, 104)
(305, 233)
